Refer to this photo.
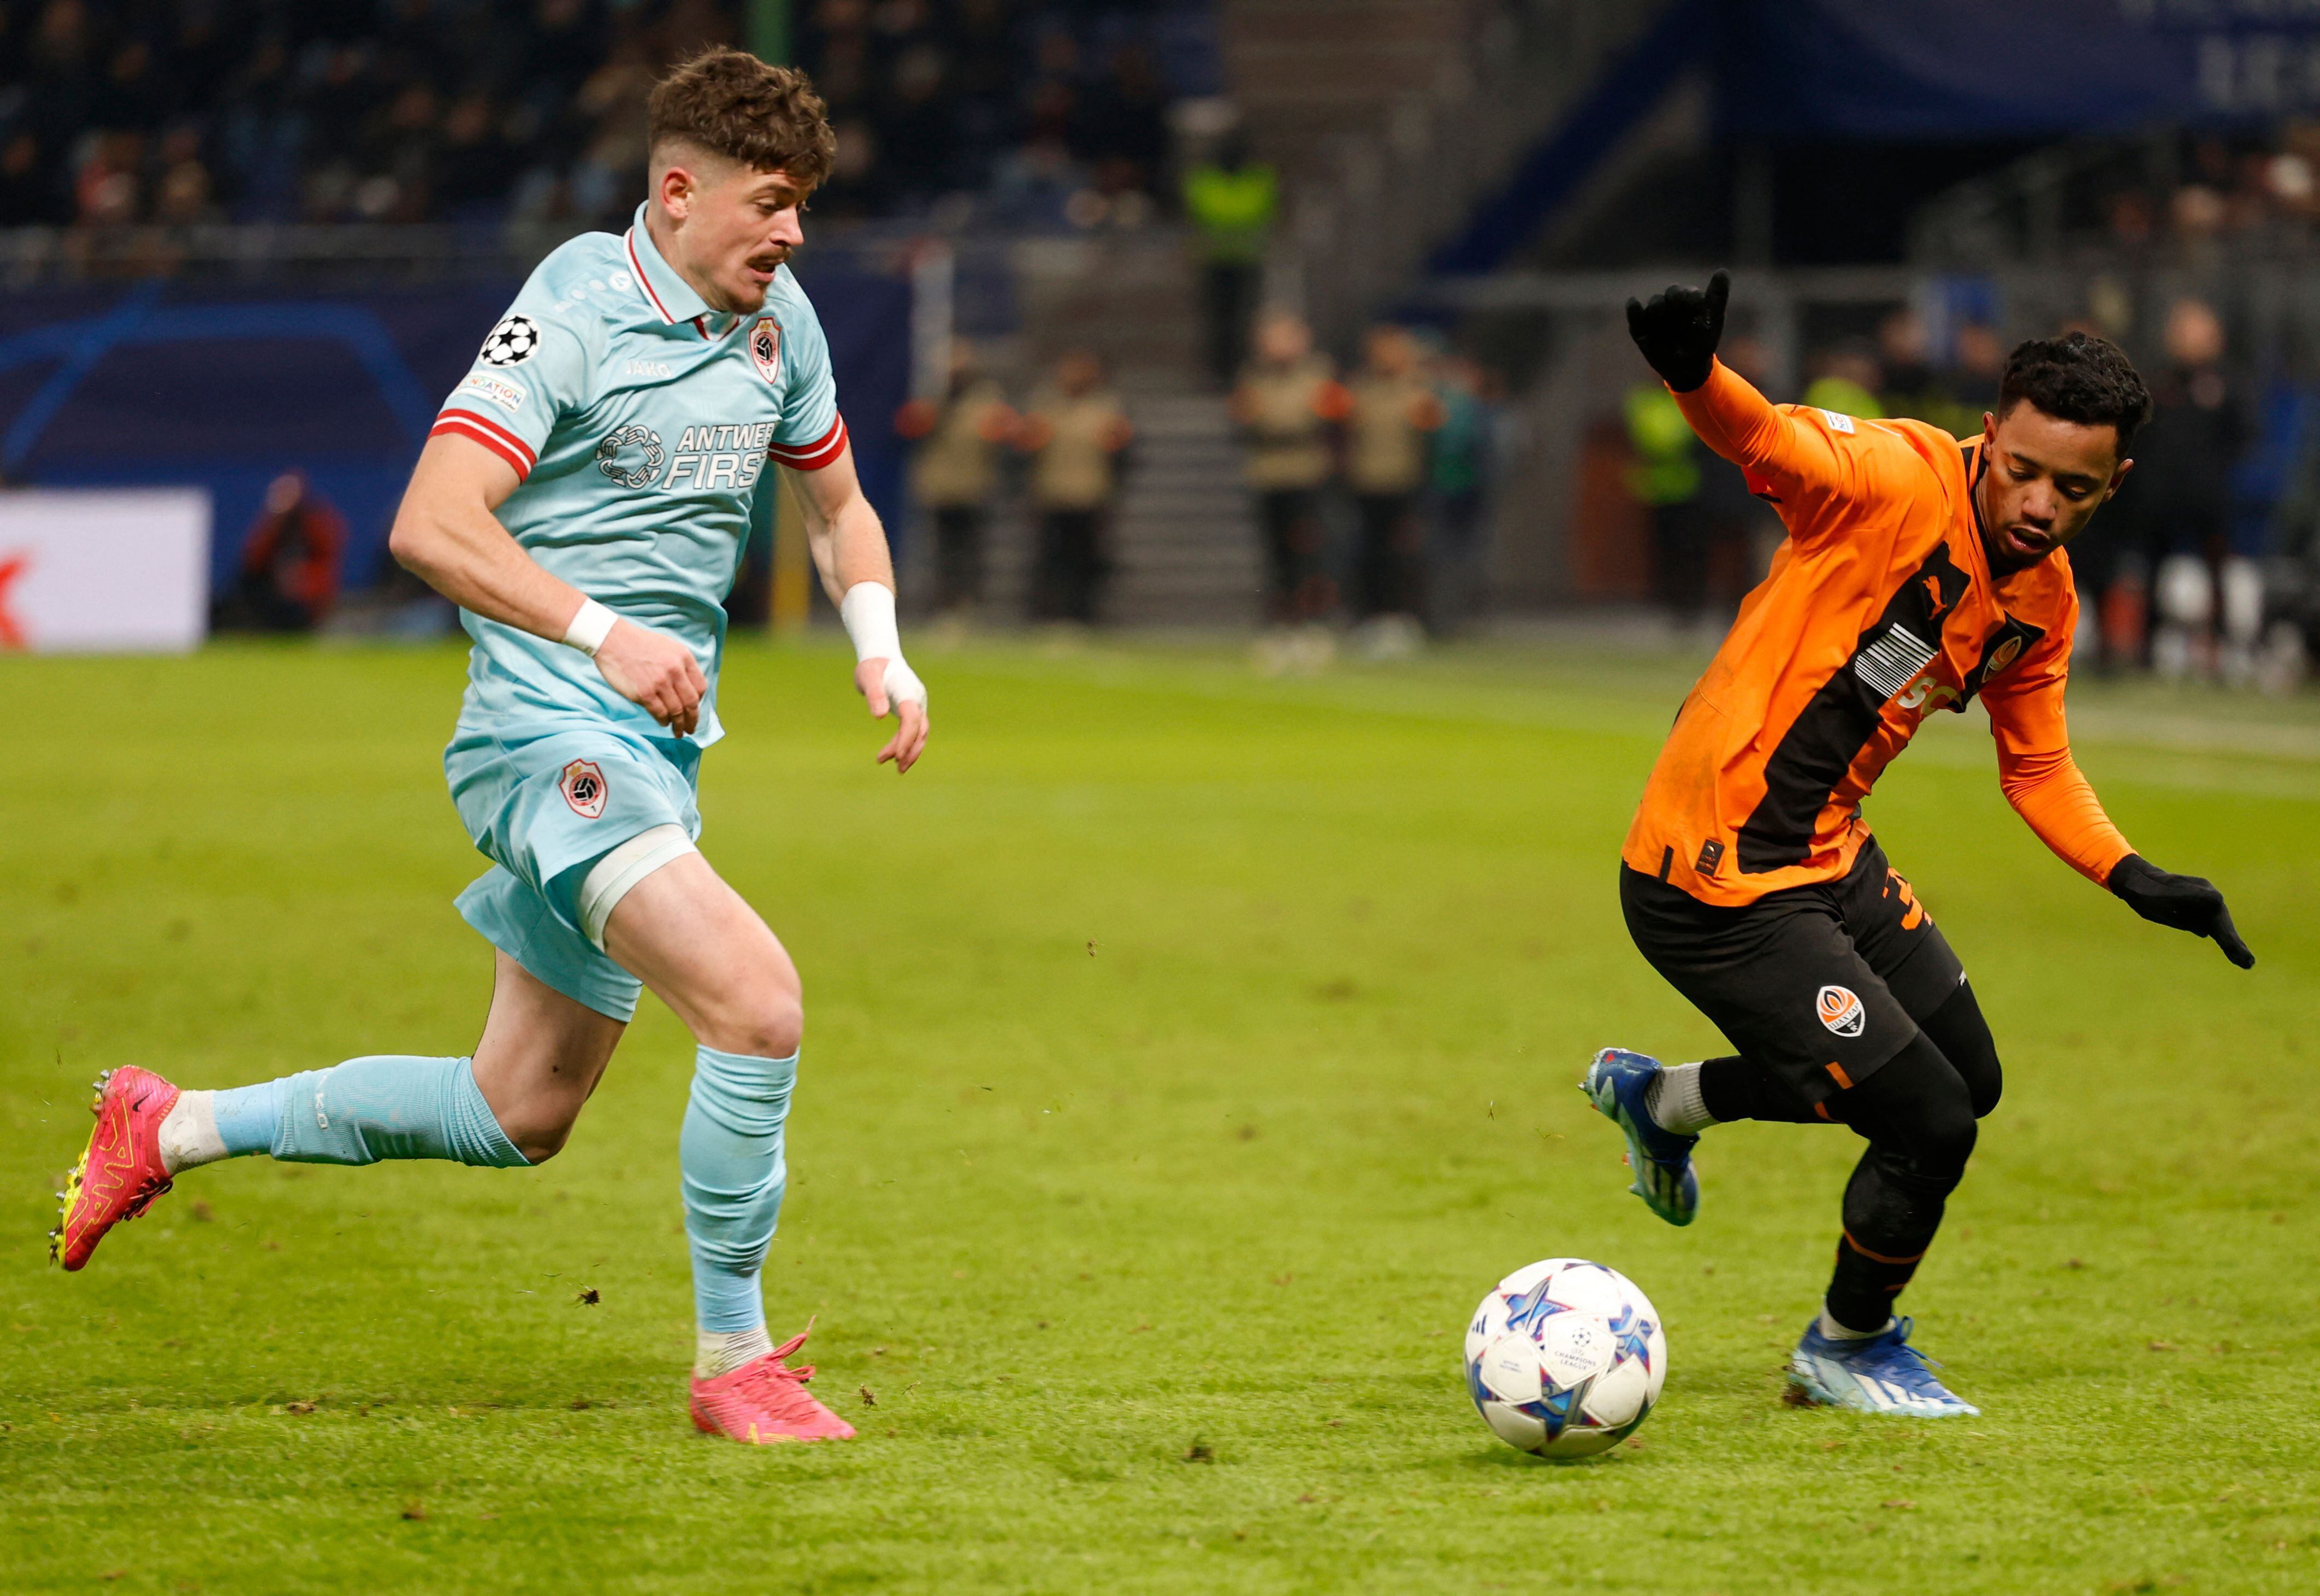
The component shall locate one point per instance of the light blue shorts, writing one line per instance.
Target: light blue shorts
(543, 806)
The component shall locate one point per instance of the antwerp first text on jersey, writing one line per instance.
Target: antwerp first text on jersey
(1880, 608)
(640, 424)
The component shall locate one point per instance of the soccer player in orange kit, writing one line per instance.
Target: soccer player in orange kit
(1918, 572)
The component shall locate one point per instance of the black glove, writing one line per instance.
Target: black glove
(1679, 330)
(2187, 902)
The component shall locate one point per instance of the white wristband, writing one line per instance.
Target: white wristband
(590, 627)
(868, 610)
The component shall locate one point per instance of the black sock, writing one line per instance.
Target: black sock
(1732, 1088)
(1918, 1114)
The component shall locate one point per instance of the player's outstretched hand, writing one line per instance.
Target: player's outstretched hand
(2187, 902)
(889, 684)
(654, 669)
(1679, 330)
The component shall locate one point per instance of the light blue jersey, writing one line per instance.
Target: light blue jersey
(642, 422)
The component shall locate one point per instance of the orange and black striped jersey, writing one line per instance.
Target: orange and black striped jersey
(1879, 610)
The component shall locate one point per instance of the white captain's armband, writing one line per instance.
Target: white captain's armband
(868, 612)
(591, 625)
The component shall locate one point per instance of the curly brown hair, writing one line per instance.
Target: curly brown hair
(729, 103)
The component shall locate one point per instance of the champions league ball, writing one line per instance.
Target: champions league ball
(510, 342)
(1565, 1358)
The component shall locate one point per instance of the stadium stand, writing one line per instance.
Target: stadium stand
(274, 110)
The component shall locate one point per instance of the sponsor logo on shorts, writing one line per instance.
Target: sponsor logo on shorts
(583, 787)
(498, 390)
(1840, 1009)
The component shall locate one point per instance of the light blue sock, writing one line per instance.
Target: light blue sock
(385, 1106)
(731, 1154)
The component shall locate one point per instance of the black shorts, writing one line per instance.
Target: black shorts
(1820, 984)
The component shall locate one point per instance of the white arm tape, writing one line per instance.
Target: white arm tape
(903, 683)
(868, 610)
(590, 627)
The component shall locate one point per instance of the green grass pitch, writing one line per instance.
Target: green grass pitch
(1186, 1053)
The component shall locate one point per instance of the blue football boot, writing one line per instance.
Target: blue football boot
(1882, 1375)
(1616, 1083)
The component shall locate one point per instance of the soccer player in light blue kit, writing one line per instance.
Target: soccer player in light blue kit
(584, 498)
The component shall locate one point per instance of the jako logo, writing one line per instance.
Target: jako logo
(1841, 1012)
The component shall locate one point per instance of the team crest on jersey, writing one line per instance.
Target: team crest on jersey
(632, 456)
(765, 347)
(1841, 1010)
(583, 787)
(510, 342)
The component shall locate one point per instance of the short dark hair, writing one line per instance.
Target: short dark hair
(729, 103)
(2077, 378)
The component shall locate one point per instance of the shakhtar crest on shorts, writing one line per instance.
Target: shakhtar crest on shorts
(1841, 1010)
(510, 342)
(2003, 657)
(583, 787)
(765, 347)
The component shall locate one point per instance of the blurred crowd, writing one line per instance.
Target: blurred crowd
(1058, 113)
(178, 112)
(2217, 193)
(1369, 487)
(1067, 446)
(2203, 565)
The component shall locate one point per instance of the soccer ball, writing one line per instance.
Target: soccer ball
(1565, 1358)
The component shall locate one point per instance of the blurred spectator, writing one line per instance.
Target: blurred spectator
(1074, 431)
(1464, 457)
(1232, 200)
(1847, 380)
(1391, 414)
(2173, 518)
(1911, 388)
(1971, 383)
(28, 192)
(1122, 129)
(1285, 404)
(1665, 477)
(532, 109)
(287, 578)
(956, 471)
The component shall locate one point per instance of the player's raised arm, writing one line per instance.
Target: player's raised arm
(1796, 454)
(857, 571)
(447, 535)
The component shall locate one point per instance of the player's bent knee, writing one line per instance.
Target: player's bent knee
(538, 1130)
(1958, 1028)
(769, 1024)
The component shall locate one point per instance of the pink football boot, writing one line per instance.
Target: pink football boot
(121, 1174)
(764, 1402)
